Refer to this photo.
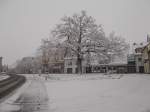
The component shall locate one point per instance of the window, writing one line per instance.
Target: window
(139, 59)
(70, 63)
(69, 70)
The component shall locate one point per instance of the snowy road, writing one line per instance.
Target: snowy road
(32, 98)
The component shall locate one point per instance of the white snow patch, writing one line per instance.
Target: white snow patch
(9, 105)
(131, 93)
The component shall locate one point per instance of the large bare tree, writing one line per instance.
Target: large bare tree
(78, 32)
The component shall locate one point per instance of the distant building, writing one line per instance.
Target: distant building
(131, 63)
(146, 58)
(146, 55)
(56, 62)
(5, 68)
(1, 65)
(139, 63)
(135, 61)
(92, 65)
(148, 38)
(56, 67)
(25, 65)
(70, 65)
(110, 68)
(70, 62)
(139, 60)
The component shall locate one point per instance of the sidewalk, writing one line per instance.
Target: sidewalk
(7, 104)
(31, 97)
(35, 98)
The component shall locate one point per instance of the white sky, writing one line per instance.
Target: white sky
(23, 23)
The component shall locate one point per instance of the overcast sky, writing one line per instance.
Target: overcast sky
(23, 23)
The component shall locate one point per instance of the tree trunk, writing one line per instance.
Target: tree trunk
(79, 64)
(79, 57)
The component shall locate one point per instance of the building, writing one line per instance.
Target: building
(1, 65)
(135, 59)
(56, 61)
(25, 65)
(70, 65)
(131, 68)
(92, 65)
(56, 67)
(139, 64)
(138, 59)
(135, 63)
(5, 68)
(146, 58)
(110, 68)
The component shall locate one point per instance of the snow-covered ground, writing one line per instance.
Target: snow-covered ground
(81, 93)
(99, 93)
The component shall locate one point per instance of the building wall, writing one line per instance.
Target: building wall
(131, 68)
(135, 63)
(1, 66)
(146, 58)
(70, 65)
(110, 68)
(139, 63)
(56, 67)
(146, 68)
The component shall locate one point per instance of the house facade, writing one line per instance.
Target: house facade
(135, 63)
(139, 60)
(56, 67)
(110, 68)
(131, 63)
(1, 65)
(70, 65)
(56, 62)
(139, 63)
(146, 58)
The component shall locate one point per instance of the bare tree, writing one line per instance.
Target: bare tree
(117, 46)
(77, 32)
